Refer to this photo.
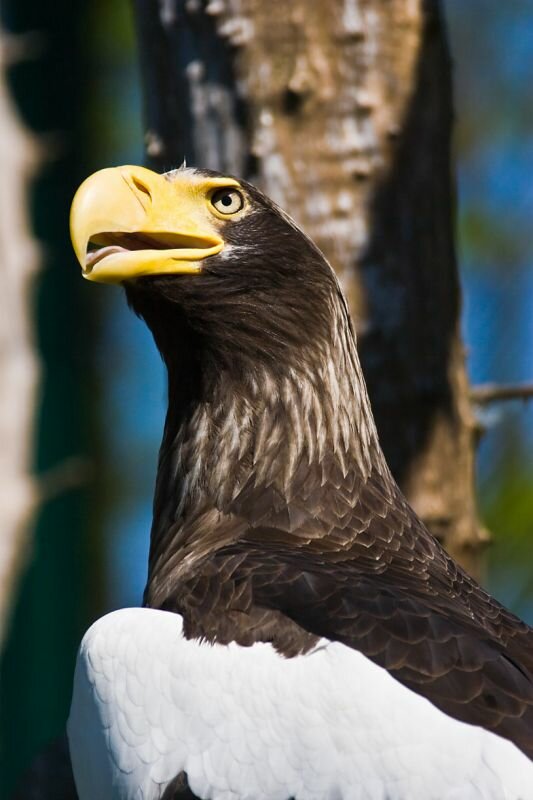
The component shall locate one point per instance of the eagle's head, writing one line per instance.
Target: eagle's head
(210, 250)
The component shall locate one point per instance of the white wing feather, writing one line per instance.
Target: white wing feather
(248, 724)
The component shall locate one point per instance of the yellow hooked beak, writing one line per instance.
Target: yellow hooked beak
(127, 222)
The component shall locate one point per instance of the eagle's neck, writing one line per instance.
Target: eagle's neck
(261, 445)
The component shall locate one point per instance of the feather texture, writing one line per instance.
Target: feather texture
(322, 643)
(249, 723)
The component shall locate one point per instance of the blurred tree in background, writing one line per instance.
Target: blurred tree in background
(58, 82)
(103, 393)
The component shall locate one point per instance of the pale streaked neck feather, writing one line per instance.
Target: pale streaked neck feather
(262, 428)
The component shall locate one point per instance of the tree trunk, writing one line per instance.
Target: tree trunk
(46, 559)
(341, 112)
(19, 365)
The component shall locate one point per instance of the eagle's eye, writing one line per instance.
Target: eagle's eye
(227, 201)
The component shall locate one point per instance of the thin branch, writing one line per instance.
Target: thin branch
(68, 474)
(494, 392)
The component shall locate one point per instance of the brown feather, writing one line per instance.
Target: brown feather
(276, 518)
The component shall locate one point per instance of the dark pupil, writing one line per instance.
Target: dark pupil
(226, 200)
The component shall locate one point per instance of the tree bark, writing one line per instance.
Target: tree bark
(19, 365)
(341, 111)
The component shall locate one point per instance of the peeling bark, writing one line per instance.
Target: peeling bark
(19, 365)
(341, 112)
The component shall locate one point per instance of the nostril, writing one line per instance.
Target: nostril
(141, 187)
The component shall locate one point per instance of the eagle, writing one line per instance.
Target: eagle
(302, 633)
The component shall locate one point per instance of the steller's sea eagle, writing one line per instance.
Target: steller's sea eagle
(303, 635)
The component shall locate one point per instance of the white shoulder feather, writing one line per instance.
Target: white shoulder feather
(248, 724)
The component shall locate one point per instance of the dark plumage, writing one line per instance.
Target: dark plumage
(281, 522)
(276, 518)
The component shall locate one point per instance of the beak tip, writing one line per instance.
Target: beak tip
(104, 201)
